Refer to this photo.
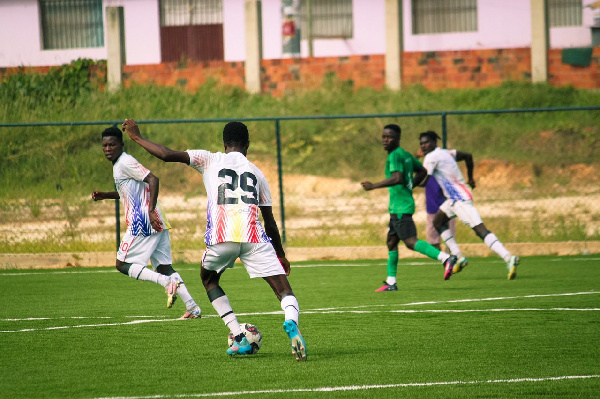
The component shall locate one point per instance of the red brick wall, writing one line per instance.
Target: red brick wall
(283, 76)
(190, 75)
(462, 69)
(434, 70)
(581, 77)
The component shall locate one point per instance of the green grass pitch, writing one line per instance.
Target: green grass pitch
(91, 333)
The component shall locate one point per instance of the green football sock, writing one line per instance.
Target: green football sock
(392, 263)
(427, 249)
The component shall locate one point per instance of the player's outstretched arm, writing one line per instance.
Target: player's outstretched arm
(421, 177)
(101, 195)
(468, 158)
(158, 150)
(273, 232)
(153, 184)
(396, 178)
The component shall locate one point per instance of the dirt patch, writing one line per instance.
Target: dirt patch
(489, 174)
(332, 209)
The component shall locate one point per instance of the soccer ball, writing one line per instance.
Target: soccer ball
(252, 334)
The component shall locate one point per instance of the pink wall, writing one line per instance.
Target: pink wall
(502, 24)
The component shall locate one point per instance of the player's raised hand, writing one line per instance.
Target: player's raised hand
(131, 128)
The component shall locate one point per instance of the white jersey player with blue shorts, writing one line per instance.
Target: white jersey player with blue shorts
(441, 164)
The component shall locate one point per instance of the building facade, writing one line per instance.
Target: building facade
(486, 40)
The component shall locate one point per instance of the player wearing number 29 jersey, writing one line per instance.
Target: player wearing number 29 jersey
(238, 194)
(235, 188)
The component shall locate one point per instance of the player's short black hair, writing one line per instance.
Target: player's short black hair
(431, 135)
(395, 128)
(235, 132)
(113, 131)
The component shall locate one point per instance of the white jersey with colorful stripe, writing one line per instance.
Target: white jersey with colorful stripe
(441, 164)
(129, 177)
(235, 188)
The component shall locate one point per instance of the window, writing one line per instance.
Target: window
(564, 13)
(330, 19)
(442, 16)
(190, 12)
(191, 30)
(71, 24)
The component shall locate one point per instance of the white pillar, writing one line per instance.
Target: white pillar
(253, 45)
(115, 36)
(393, 44)
(539, 41)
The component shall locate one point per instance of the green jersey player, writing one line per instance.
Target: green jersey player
(403, 172)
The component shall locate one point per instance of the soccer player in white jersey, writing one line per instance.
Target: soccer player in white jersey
(237, 190)
(147, 235)
(441, 164)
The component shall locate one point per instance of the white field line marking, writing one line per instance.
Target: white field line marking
(240, 267)
(504, 298)
(316, 310)
(47, 273)
(460, 300)
(455, 310)
(313, 312)
(80, 317)
(361, 387)
(88, 325)
(52, 272)
(414, 263)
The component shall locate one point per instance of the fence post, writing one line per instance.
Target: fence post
(280, 175)
(117, 212)
(253, 15)
(444, 130)
(115, 46)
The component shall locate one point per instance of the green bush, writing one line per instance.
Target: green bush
(47, 160)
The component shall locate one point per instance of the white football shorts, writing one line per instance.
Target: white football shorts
(259, 259)
(139, 249)
(463, 210)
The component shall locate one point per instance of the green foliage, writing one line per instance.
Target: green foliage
(44, 161)
(61, 86)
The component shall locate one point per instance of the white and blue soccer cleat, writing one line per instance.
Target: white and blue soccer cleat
(298, 344)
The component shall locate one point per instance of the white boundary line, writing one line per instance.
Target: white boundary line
(316, 310)
(309, 312)
(301, 266)
(336, 310)
(406, 311)
(359, 387)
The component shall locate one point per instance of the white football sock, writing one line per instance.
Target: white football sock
(223, 308)
(495, 245)
(290, 307)
(390, 280)
(184, 294)
(450, 241)
(140, 272)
